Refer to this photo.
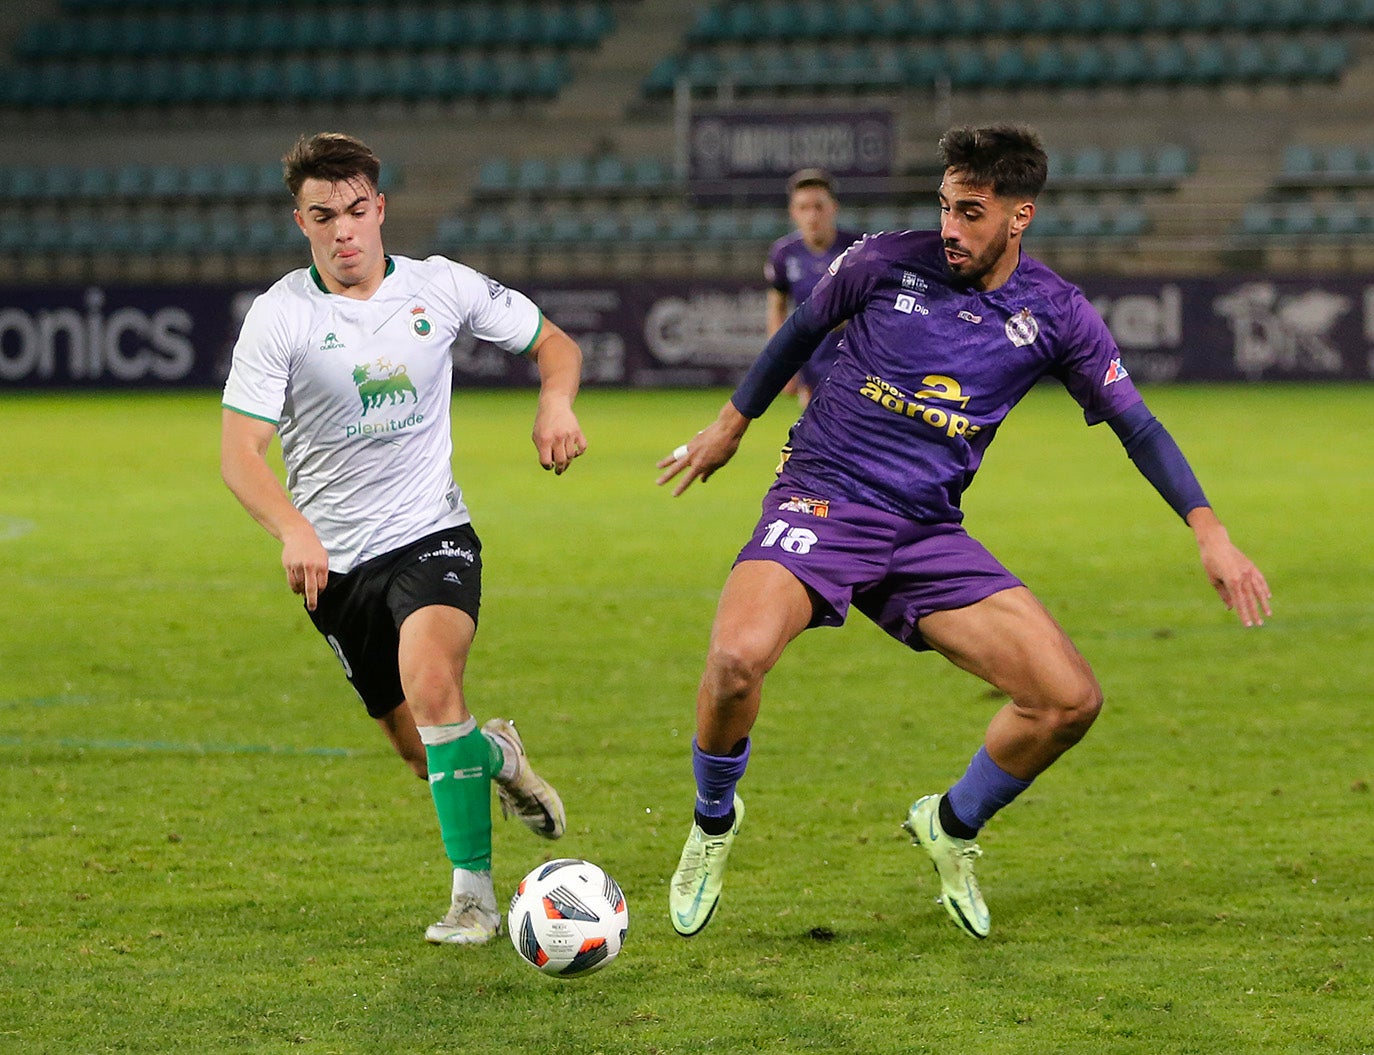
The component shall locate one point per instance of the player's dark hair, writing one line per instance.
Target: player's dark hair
(1007, 158)
(811, 178)
(330, 156)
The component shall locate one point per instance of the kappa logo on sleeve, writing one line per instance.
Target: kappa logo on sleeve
(1115, 372)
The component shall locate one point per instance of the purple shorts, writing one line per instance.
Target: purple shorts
(891, 569)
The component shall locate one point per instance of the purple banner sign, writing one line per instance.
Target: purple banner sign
(668, 333)
(744, 155)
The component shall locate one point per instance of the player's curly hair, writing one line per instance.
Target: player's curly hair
(1008, 158)
(330, 156)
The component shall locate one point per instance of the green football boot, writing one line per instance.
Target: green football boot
(694, 890)
(953, 859)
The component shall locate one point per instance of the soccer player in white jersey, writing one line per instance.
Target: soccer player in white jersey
(348, 361)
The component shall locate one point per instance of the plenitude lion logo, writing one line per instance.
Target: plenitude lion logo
(388, 382)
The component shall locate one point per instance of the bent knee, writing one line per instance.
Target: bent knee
(1069, 711)
(734, 670)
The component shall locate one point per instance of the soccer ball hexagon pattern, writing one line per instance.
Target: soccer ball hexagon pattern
(568, 918)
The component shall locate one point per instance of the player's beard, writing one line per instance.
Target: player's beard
(976, 267)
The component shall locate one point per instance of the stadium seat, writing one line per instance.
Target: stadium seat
(683, 226)
(609, 173)
(648, 174)
(533, 176)
(1258, 219)
(490, 228)
(644, 227)
(495, 176)
(452, 232)
(605, 228)
(237, 181)
(1299, 162)
(1344, 219)
(572, 174)
(1171, 162)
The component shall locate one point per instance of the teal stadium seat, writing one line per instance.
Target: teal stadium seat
(491, 228)
(1329, 60)
(609, 173)
(567, 228)
(709, 26)
(1342, 164)
(1128, 165)
(1299, 163)
(1249, 62)
(61, 183)
(1128, 221)
(649, 174)
(1171, 163)
(495, 176)
(858, 20)
(452, 232)
(1298, 218)
(203, 181)
(606, 228)
(268, 181)
(533, 176)
(238, 181)
(95, 183)
(644, 227)
(1168, 63)
(165, 182)
(1344, 219)
(723, 225)
(572, 175)
(189, 234)
(682, 227)
(882, 218)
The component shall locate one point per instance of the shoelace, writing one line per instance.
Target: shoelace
(460, 907)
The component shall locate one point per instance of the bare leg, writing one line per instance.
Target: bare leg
(433, 655)
(400, 731)
(1011, 641)
(763, 607)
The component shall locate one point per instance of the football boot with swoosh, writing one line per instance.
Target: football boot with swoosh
(953, 859)
(694, 890)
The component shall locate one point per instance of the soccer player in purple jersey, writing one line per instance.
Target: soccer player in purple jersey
(797, 261)
(946, 332)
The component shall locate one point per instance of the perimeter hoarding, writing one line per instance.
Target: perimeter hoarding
(660, 333)
(745, 155)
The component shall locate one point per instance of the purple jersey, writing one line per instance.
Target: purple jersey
(928, 368)
(793, 269)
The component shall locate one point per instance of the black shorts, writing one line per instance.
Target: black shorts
(360, 613)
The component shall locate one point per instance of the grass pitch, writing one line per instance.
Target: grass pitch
(211, 849)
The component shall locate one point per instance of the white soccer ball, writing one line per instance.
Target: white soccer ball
(568, 917)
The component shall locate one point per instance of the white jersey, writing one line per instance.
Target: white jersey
(360, 390)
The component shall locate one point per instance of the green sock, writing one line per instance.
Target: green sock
(460, 773)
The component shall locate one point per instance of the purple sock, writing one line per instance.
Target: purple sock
(984, 789)
(717, 776)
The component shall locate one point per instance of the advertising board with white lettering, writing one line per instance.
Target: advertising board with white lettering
(666, 333)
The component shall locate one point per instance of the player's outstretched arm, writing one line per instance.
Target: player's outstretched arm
(557, 435)
(1233, 575)
(707, 451)
(243, 465)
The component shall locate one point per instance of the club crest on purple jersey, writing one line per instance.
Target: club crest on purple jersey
(1022, 329)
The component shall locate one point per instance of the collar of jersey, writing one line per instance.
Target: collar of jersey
(319, 282)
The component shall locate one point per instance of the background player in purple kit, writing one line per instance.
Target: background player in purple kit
(946, 332)
(797, 261)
